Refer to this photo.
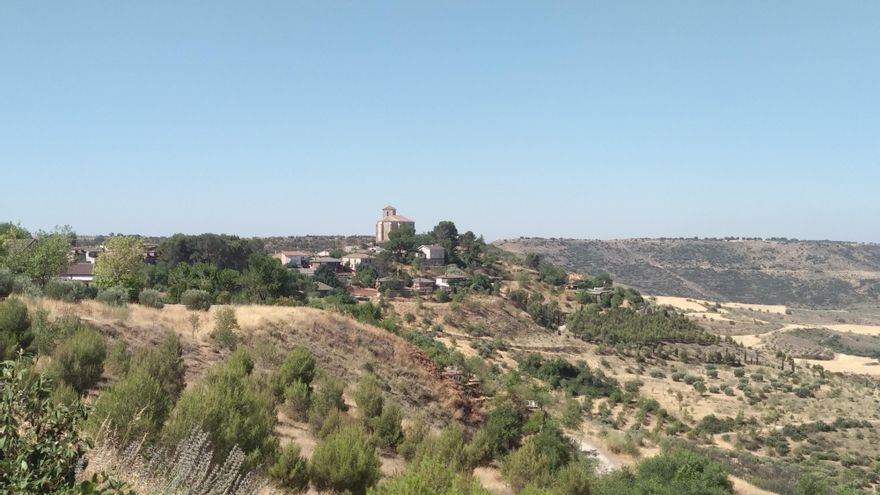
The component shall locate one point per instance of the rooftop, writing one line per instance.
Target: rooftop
(396, 218)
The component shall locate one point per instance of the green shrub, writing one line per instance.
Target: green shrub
(572, 414)
(113, 296)
(15, 328)
(232, 407)
(6, 281)
(195, 299)
(225, 325)
(298, 398)
(442, 295)
(165, 363)
(739, 372)
(414, 434)
(728, 390)
(63, 393)
(448, 446)
(151, 298)
(30, 462)
(79, 359)
(298, 366)
(291, 470)
(47, 333)
(118, 359)
(430, 477)
(23, 285)
(133, 408)
(682, 472)
(66, 290)
(369, 397)
(528, 465)
(327, 398)
(387, 427)
(345, 460)
(503, 429)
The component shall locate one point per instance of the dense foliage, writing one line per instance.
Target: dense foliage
(622, 325)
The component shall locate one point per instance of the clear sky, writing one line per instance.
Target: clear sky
(569, 119)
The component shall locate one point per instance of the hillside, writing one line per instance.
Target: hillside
(795, 273)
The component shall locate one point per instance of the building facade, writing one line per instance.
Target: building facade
(390, 222)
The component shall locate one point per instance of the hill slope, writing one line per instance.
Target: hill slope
(798, 273)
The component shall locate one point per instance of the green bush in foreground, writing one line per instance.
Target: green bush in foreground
(233, 407)
(79, 359)
(291, 470)
(67, 290)
(225, 325)
(430, 477)
(15, 328)
(345, 460)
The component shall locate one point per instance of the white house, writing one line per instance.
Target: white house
(80, 271)
(433, 254)
(353, 260)
(298, 258)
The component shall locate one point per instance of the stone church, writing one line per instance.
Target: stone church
(390, 222)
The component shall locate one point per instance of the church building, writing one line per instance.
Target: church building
(390, 222)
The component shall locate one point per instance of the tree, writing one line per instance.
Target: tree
(532, 260)
(122, 264)
(45, 257)
(446, 234)
(15, 328)
(402, 241)
(682, 472)
(345, 460)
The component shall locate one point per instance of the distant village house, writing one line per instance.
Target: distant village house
(353, 260)
(434, 255)
(298, 258)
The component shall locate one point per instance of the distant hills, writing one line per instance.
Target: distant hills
(824, 274)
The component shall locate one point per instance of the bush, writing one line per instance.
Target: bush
(298, 366)
(113, 296)
(195, 299)
(572, 414)
(233, 407)
(36, 463)
(327, 398)
(66, 290)
(225, 324)
(739, 372)
(683, 472)
(430, 477)
(22, 284)
(151, 298)
(291, 470)
(119, 359)
(447, 447)
(48, 333)
(442, 295)
(369, 397)
(165, 363)
(133, 408)
(527, 465)
(298, 397)
(79, 359)
(503, 429)
(6, 281)
(345, 460)
(15, 328)
(387, 427)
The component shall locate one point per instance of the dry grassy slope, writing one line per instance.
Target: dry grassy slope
(804, 273)
(342, 347)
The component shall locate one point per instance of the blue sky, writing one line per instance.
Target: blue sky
(569, 119)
